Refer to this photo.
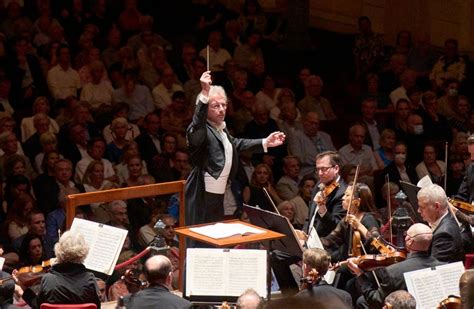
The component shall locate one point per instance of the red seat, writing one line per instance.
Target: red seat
(68, 306)
(469, 263)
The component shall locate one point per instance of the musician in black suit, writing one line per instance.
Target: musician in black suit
(466, 189)
(447, 245)
(417, 243)
(318, 261)
(214, 154)
(328, 195)
(159, 274)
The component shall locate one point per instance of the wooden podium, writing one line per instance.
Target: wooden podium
(231, 241)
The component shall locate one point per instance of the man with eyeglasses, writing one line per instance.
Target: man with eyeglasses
(326, 210)
(214, 154)
(417, 242)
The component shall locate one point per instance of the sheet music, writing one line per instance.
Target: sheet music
(313, 240)
(224, 272)
(105, 243)
(223, 230)
(424, 182)
(430, 286)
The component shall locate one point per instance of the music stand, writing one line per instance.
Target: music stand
(277, 223)
(411, 191)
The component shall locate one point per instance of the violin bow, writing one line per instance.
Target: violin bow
(446, 166)
(389, 204)
(349, 209)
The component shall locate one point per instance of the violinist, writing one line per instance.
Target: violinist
(417, 242)
(68, 282)
(360, 217)
(315, 265)
(31, 251)
(326, 210)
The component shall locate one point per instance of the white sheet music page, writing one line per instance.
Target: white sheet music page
(223, 230)
(105, 243)
(430, 286)
(225, 272)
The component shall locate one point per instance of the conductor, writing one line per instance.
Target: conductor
(214, 154)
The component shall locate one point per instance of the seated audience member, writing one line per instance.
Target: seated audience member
(262, 178)
(14, 186)
(447, 244)
(302, 200)
(40, 105)
(95, 152)
(383, 104)
(384, 154)
(309, 142)
(414, 138)
(121, 110)
(217, 55)
(435, 125)
(118, 214)
(400, 300)
(137, 97)
(135, 170)
(176, 116)
(49, 143)
(75, 147)
(399, 169)
(250, 299)
(98, 91)
(9, 147)
(159, 274)
(447, 103)
(16, 222)
(357, 153)
(37, 227)
(63, 80)
(408, 81)
(287, 209)
(68, 282)
(314, 102)
(455, 174)
(163, 92)
(459, 122)
(192, 87)
(131, 149)
(415, 99)
(269, 94)
(114, 149)
(418, 241)
(287, 186)
(148, 141)
(94, 177)
(450, 65)
(315, 265)
(245, 54)
(368, 109)
(31, 250)
(435, 169)
(286, 114)
(47, 192)
(459, 147)
(399, 122)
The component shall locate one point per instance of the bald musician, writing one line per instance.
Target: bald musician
(159, 274)
(417, 241)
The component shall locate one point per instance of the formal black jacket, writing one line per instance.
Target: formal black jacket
(146, 147)
(335, 212)
(447, 243)
(466, 189)
(391, 278)
(68, 283)
(156, 296)
(328, 293)
(207, 155)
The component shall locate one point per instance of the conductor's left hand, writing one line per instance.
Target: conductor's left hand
(275, 139)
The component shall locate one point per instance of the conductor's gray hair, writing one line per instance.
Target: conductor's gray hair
(217, 91)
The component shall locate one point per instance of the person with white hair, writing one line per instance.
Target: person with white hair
(447, 245)
(68, 282)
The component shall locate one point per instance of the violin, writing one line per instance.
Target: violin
(356, 249)
(133, 282)
(369, 262)
(390, 251)
(29, 275)
(450, 302)
(462, 205)
(311, 279)
(326, 191)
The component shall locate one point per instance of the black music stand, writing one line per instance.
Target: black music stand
(277, 223)
(411, 191)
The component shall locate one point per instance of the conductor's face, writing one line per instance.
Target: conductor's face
(217, 109)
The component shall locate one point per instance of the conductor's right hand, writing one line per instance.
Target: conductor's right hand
(206, 82)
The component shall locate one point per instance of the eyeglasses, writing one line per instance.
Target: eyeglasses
(323, 169)
(216, 106)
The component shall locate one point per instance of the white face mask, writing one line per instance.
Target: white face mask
(400, 158)
(418, 129)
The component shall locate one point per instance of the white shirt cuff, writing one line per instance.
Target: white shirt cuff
(264, 145)
(202, 98)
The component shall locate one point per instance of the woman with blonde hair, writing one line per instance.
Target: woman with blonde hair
(119, 127)
(384, 154)
(40, 105)
(262, 178)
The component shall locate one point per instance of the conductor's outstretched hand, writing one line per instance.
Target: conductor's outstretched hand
(206, 82)
(275, 139)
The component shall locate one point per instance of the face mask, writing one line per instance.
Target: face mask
(418, 129)
(452, 92)
(400, 157)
